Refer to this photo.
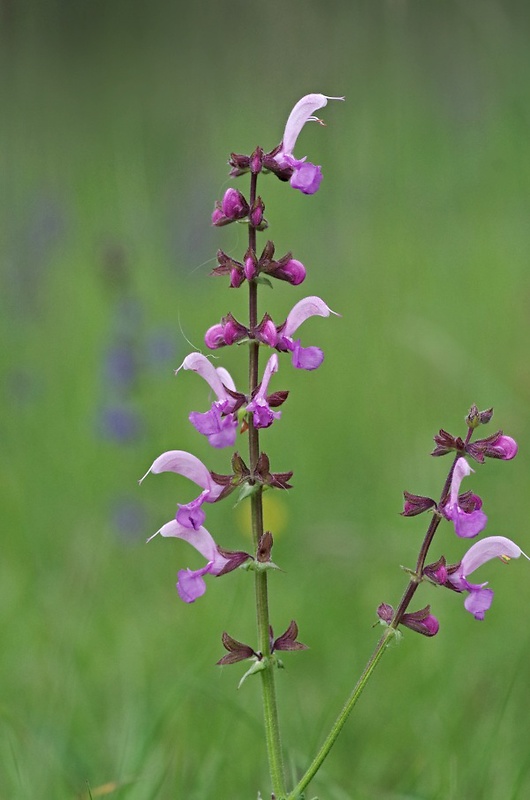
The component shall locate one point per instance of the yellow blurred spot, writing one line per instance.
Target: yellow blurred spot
(274, 515)
(104, 790)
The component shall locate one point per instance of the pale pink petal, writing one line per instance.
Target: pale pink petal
(308, 307)
(189, 466)
(301, 113)
(204, 367)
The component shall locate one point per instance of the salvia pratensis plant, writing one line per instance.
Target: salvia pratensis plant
(251, 409)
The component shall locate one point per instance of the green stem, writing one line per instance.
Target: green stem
(270, 708)
(343, 716)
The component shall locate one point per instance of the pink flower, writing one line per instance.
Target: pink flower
(480, 599)
(306, 176)
(191, 514)
(259, 407)
(303, 357)
(219, 424)
(190, 584)
(464, 510)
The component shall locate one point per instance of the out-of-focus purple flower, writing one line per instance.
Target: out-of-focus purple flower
(190, 584)
(306, 176)
(302, 357)
(121, 366)
(262, 414)
(190, 515)
(120, 423)
(219, 424)
(479, 599)
(464, 511)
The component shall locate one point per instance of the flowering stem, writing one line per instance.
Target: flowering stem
(270, 708)
(343, 716)
(379, 649)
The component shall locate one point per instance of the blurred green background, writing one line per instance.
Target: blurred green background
(117, 120)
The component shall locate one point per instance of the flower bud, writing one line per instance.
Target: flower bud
(292, 271)
(217, 215)
(503, 447)
(214, 337)
(256, 213)
(237, 277)
(234, 206)
(266, 332)
(256, 161)
(250, 266)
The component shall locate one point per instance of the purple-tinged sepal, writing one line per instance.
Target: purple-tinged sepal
(237, 651)
(288, 639)
(464, 511)
(234, 559)
(480, 598)
(255, 217)
(276, 480)
(416, 504)
(239, 164)
(266, 332)
(420, 621)
(445, 443)
(437, 572)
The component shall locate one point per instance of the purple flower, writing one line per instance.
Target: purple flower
(190, 584)
(219, 424)
(464, 510)
(190, 515)
(303, 357)
(263, 416)
(479, 599)
(306, 176)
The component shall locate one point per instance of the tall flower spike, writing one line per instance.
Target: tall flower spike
(191, 514)
(306, 176)
(263, 415)
(480, 599)
(303, 357)
(190, 584)
(464, 511)
(219, 424)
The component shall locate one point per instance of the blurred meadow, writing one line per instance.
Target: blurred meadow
(117, 120)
